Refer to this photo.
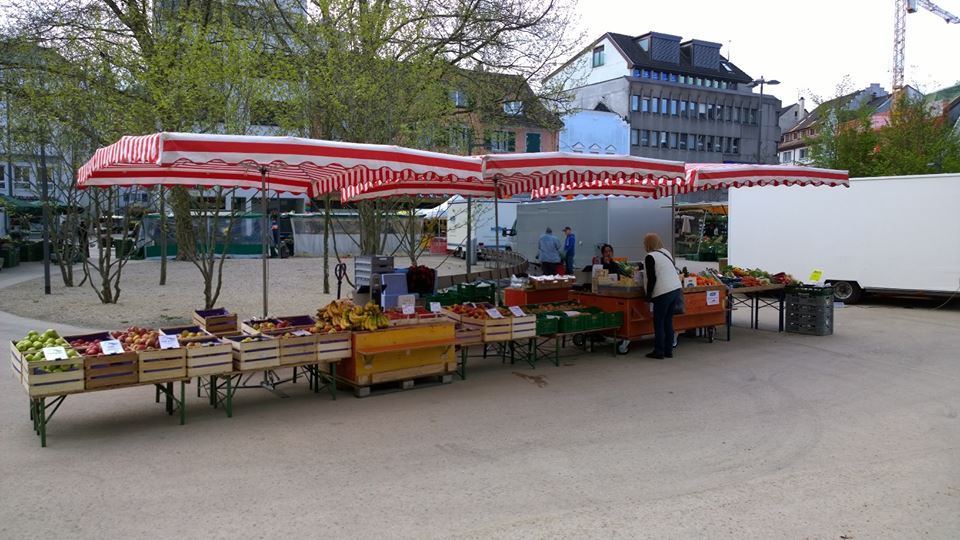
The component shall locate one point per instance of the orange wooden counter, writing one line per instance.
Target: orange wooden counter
(523, 297)
(638, 315)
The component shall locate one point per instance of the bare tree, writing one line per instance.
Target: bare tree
(214, 227)
(110, 223)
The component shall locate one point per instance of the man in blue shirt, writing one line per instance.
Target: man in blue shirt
(548, 251)
(569, 248)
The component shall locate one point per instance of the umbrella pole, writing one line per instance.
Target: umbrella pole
(673, 223)
(263, 233)
(469, 235)
(496, 224)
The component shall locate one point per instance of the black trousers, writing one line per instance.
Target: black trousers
(663, 308)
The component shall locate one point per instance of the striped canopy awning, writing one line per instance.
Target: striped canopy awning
(706, 176)
(541, 174)
(291, 164)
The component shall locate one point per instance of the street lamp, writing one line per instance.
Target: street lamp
(761, 82)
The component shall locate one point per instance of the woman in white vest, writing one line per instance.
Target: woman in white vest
(663, 289)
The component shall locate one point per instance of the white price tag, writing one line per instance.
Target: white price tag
(302, 333)
(435, 307)
(111, 346)
(169, 342)
(517, 312)
(408, 309)
(494, 313)
(713, 298)
(572, 313)
(407, 299)
(54, 353)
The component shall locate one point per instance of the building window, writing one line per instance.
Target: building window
(655, 75)
(719, 110)
(673, 77)
(753, 117)
(460, 137)
(802, 154)
(663, 106)
(736, 114)
(683, 107)
(663, 139)
(702, 111)
(645, 74)
(699, 82)
(726, 144)
(727, 111)
(3, 178)
(710, 114)
(513, 108)
(735, 147)
(645, 105)
(673, 140)
(21, 178)
(709, 143)
(718, 144)
(634, 103)
(701, 140)
(786, 157)
(683, 79)
(459, 98)
(654, 138)
(598, 56)
(635, 137)
(656, 106)
(503, 141)
(674, 107)
(645, 137)
(683, 141)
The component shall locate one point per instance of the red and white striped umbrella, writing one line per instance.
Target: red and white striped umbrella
(544, 173)
(291, 164)
(706, 176)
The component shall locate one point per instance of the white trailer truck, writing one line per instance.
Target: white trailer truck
(898, 234)
(484, 231)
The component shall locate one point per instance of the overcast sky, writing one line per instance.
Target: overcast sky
(808, 45)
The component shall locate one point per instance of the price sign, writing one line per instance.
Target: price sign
(169, 342)
(54, 353)
(816, 276)
(408, 309)
(111, 346)
(494, 313)
(407, 299)
(572, 313)
(517, 312)
(713, 298)
(302, 333)
(435, 307)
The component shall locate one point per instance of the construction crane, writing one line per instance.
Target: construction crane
(900, 31)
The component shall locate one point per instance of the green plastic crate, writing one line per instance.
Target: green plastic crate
(547, 325)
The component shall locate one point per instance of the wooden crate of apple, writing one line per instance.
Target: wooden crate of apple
(479, 316)
(42, 377)
(413, 315)
(186, 334)
(156, 364)
(208, 356)
(254, 352)
(103, 370)
(298, 343)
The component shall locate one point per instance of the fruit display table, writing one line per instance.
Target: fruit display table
(757, 297)
(706, 307)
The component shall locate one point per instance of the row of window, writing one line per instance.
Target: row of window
(21, 177)
(787, 157)
(684, 141)
(693, 109)
(680, 78)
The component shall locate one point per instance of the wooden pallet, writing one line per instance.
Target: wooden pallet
(407, 379)
(162, 365)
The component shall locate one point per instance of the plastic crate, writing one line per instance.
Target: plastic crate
(809, 309)
(613, 319)
(816, 324)
(808, 291)
(794, 299)
(547, 325)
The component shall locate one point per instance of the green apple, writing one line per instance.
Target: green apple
(71, 353)
(32, 333)
(50, 333)
(24, 345)
(37, 345)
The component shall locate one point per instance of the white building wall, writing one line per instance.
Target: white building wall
(595, 132)
(580, 71)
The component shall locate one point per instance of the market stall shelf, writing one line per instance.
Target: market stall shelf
(400, 355)
(758, 297)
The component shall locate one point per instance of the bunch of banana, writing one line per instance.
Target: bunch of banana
(343, 314)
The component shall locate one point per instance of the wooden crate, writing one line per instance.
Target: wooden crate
(297, 349)
(212, 359)
(524, 327)
(39, 383)
(399, 350)
(468, 335)
(175, 331)
(101, 370)
(492, 330)
(336, 346)
(217, 321)
(16, 361)
(247, 328)
(262, 352)
(162, 364)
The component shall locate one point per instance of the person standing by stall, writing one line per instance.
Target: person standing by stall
(548, 251)
(569, 249)
(663, 289)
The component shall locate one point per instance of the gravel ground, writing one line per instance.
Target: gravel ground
(296, 287)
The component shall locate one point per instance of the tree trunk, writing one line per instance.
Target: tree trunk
(186, 237)
(163, 234)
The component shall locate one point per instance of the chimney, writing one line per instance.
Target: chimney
(803, 108)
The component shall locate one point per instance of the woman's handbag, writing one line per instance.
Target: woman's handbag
(680, 306)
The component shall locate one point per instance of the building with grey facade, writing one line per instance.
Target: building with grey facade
(682, 99)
